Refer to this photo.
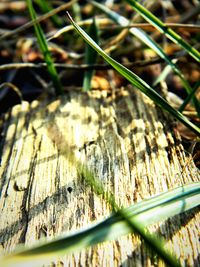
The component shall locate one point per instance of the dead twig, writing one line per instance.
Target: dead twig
(39, 19)
(138, 64)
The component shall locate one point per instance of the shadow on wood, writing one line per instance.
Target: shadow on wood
(129, 144)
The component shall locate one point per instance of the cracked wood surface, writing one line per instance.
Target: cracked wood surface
(125, 140)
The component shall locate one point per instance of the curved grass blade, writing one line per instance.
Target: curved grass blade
(29, 24)
(158, 24)
(12, 87)
(142, 36)
(164, 205)
(44, 49)
(137, 81)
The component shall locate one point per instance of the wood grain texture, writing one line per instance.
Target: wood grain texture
(125, 140)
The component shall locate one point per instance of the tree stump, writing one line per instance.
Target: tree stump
(129, 144)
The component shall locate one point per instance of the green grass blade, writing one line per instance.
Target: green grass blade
(44, 49)
(189, 97)
(90, 56)
(47, 7)
(142, 36)
(158, 24)
(155, 243)
(165, 205)
(137, 81)
(165, 72)
(77, 11)
(189, 90)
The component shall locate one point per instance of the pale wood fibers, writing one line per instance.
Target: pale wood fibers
(129, 144)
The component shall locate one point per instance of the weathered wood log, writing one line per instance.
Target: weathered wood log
(130, 145)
